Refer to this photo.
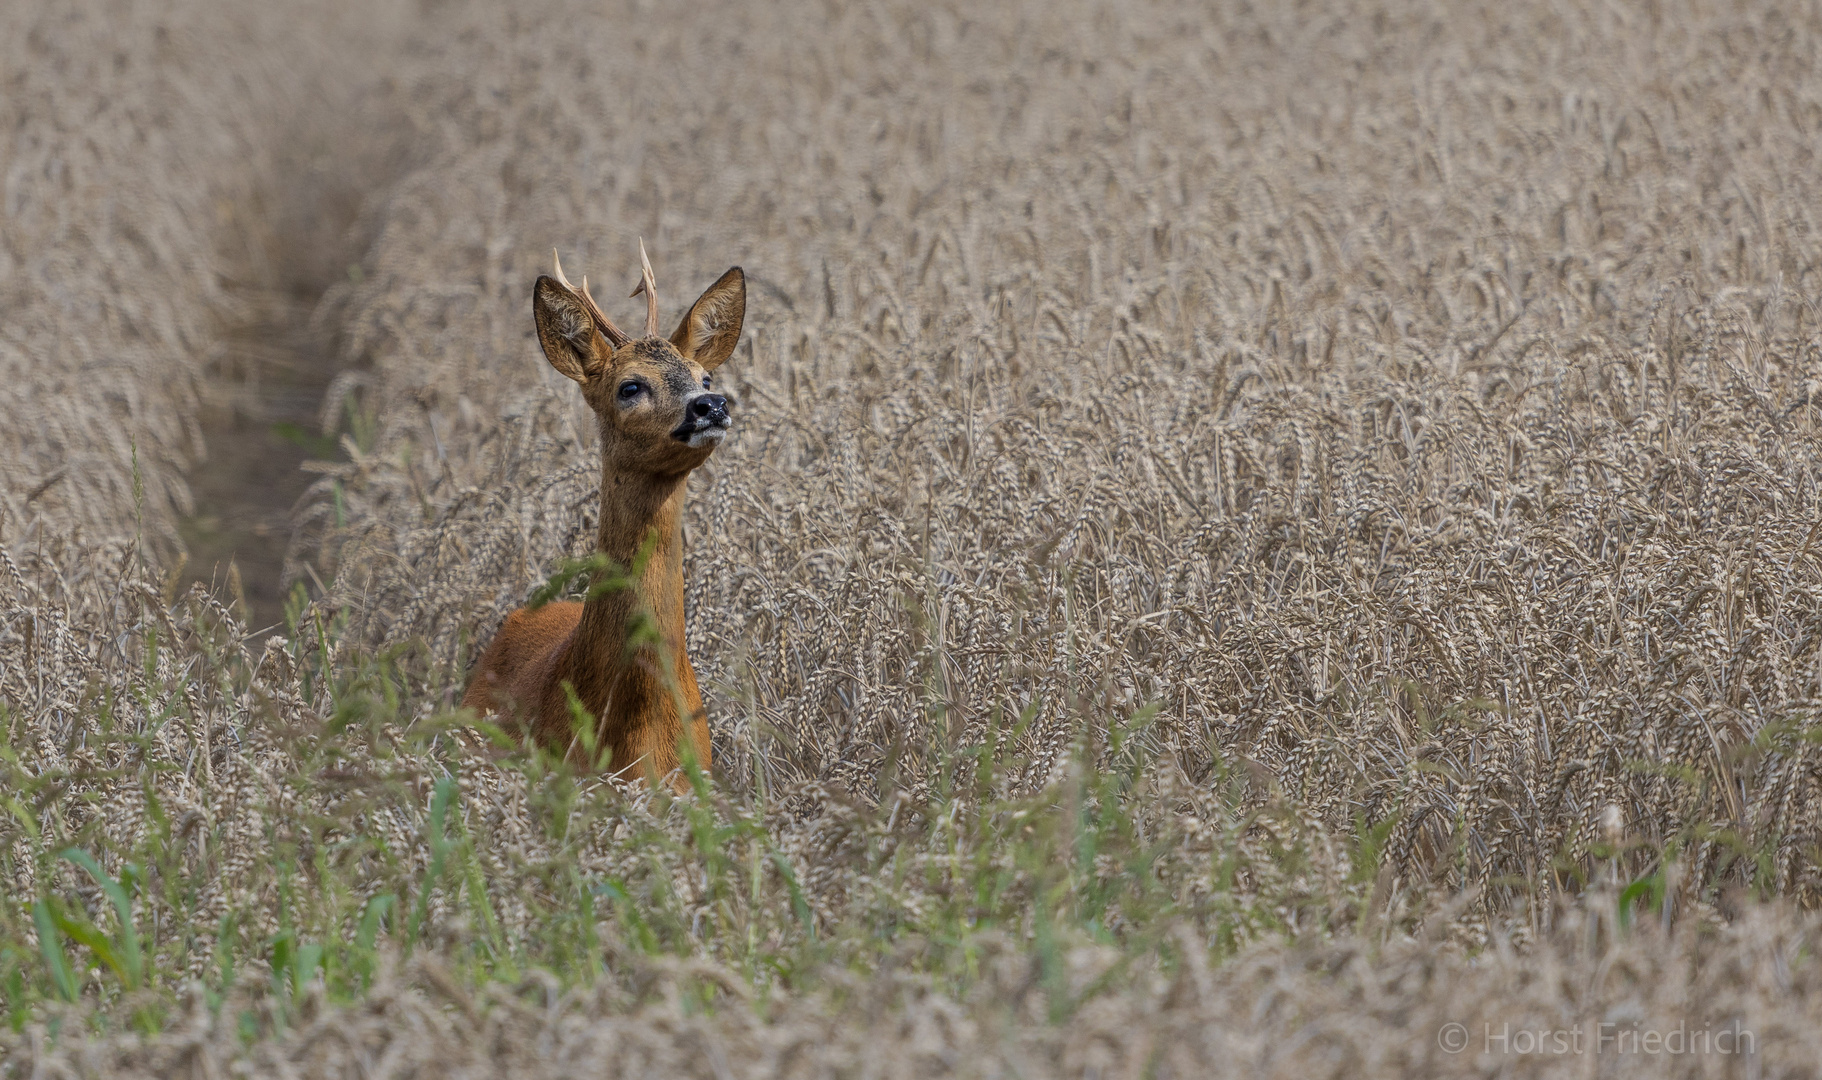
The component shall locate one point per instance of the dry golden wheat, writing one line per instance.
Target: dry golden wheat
(1419, 410)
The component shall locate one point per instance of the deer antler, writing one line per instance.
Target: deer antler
(615, 336)
(650, 289)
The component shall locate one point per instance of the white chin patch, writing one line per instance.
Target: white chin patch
(707, 437)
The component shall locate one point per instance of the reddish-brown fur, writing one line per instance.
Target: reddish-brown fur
(644, 699)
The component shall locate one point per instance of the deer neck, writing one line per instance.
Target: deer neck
(632, 691)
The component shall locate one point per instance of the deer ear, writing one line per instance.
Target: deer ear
(711, 329)
(572, 343)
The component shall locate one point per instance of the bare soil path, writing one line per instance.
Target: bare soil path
(261, 418)
(258, 428)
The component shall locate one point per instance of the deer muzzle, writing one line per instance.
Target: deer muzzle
(705, 420)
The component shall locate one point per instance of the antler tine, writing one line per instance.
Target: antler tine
(650, 288)
(616, 336)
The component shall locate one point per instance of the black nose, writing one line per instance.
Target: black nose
(709, 407)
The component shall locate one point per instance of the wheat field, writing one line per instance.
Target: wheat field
(1249, 536)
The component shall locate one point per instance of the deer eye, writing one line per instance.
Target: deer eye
(629, 390)
(705, 382)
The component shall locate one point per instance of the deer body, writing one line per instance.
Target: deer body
(658, 421)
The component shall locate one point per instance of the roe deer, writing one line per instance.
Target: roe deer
(658, 420)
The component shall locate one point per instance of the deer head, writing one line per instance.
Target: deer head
(653, 397)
